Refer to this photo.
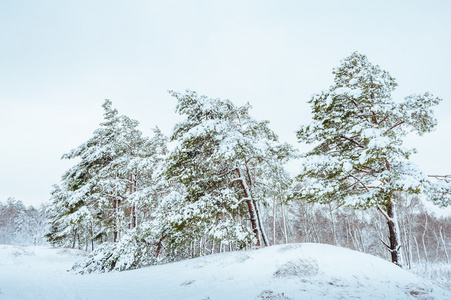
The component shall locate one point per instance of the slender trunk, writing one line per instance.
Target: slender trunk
(115, 220)
(418, 249)
(284, 224)
(379, 226)
(132, 214)
(256, 207)
(135, 216)
(132, 217)
(274, 221)
(159, 246)
(353, 237)
(119, 220)
(250, 207)
(359, 230)
(437, 248)
(424, 244)
(260, 225)
(444, 245)
(79, 244)
(333, 224)
(313, 223)
(75, 239)
(407, 241)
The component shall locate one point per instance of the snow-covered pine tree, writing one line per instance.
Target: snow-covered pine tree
(69, 218)
(229, 164)
(142, 243)
(358, 131)
(440, 190)
(93, 195)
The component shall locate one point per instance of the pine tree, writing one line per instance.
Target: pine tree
(67, 217)
(142, 242)
(358, 130)
(93, 201)
(112, 197)
(440, 191)
(229, 164)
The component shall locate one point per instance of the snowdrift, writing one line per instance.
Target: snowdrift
(293, 271)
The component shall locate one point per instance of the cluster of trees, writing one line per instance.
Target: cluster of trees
(20, 225)
(425, 236)
(134, 202)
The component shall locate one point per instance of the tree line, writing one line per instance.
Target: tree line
(20, 225)
(219, 182)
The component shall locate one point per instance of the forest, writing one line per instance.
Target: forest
(219, 182)
(20, 225)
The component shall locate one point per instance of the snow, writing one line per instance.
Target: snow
(293, 271)
(355, 93)
(347, 166)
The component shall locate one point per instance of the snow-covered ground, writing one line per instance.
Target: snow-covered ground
(294, 271)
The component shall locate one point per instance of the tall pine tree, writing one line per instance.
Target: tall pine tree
(98, 198)
(358, 131)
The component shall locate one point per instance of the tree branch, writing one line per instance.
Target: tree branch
(385, 244)
(394, 126)
(358, 180)
(384, 214)
(352, 141)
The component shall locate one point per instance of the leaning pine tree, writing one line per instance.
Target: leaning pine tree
(358, 158)
(229, 164)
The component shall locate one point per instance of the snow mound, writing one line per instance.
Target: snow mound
(293, 271)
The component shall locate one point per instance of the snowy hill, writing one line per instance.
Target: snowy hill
(294, 271)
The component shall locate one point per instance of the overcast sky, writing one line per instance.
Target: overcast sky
(59, 60)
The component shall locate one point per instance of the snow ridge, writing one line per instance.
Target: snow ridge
(292, 271)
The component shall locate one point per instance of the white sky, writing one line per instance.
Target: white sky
(59, 60)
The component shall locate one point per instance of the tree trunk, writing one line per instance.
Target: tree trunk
(394, 237)
(444, 245)
(332, 219)
(115, 220)
(260, 225)
(250, 207)
(117, 223)
(132, 217)
(133, 188)
(274, 221)
(418, 249)
(75, 239)
(256, 207)
(159, 246)
(284, 224)
(424, 243)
